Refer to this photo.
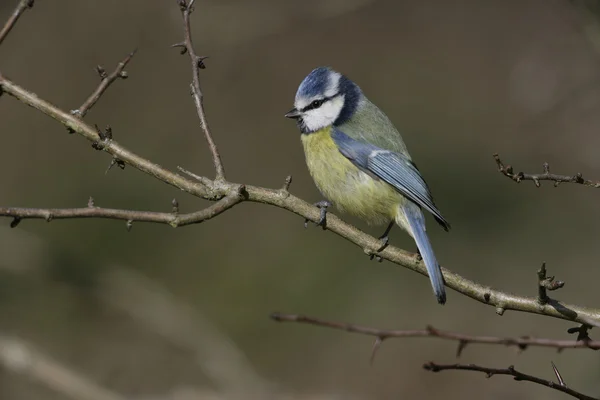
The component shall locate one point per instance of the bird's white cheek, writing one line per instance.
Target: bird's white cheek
(325, 115)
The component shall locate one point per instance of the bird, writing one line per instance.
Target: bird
(360, 164)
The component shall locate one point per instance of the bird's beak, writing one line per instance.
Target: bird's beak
(293, 113)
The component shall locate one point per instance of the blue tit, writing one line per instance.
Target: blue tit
(360, 163)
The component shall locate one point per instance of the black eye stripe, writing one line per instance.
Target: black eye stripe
(318, 103)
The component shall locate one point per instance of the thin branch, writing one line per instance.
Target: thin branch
(216, 190)
(108, 145)
(106, 81)
(197, 64)
(510, 371)
(19, 10)
(173, 219)
(522, 343)
(545, 176)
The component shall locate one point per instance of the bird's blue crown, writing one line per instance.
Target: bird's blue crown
(325, 83)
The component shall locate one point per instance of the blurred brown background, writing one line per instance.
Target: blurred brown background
(161, 313)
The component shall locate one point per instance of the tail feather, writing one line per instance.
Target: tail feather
(416, 221)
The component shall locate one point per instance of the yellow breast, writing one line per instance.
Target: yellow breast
(342, 183)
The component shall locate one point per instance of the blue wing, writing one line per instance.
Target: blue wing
(391, 167)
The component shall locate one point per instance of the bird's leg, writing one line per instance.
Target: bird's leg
(323, 204)
(385, 240)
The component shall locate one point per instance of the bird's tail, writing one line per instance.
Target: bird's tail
(416, 221)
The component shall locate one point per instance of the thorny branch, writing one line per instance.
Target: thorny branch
(21, 7)
(508, 171)
(173, 219)
(511, 371)
(219, 188)
(522, 343)
(106, 81)
(198, 64)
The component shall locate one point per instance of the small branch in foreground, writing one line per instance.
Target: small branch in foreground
(106, 81)
(510, 371)
(173, 219)
(197, 65)
(20, 357)
(19, 10)
(546, 283)
(522, 343)
(546, 176)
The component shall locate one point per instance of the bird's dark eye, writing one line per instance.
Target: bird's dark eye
(317, 103)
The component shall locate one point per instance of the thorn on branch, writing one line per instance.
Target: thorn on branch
(91, 203)
(180, 45)
(129, 225)
(113, 162)
(376, 346)
(175, 204)
(559, 378)
(546, 283)
(462, 345)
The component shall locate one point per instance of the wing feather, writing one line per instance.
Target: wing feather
(393, 168)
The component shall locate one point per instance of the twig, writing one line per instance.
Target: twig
(106, 81)
(510, 371)
(197, 64)
(546, 283)
(173, 219)
(21, 7)
(546, 176)
(522, 343)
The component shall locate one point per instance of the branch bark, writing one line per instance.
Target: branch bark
(173, 219)
(197, 65)
(106, 81)
(510, 371)
(463, 340)
(12, 21)
(545, 176)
